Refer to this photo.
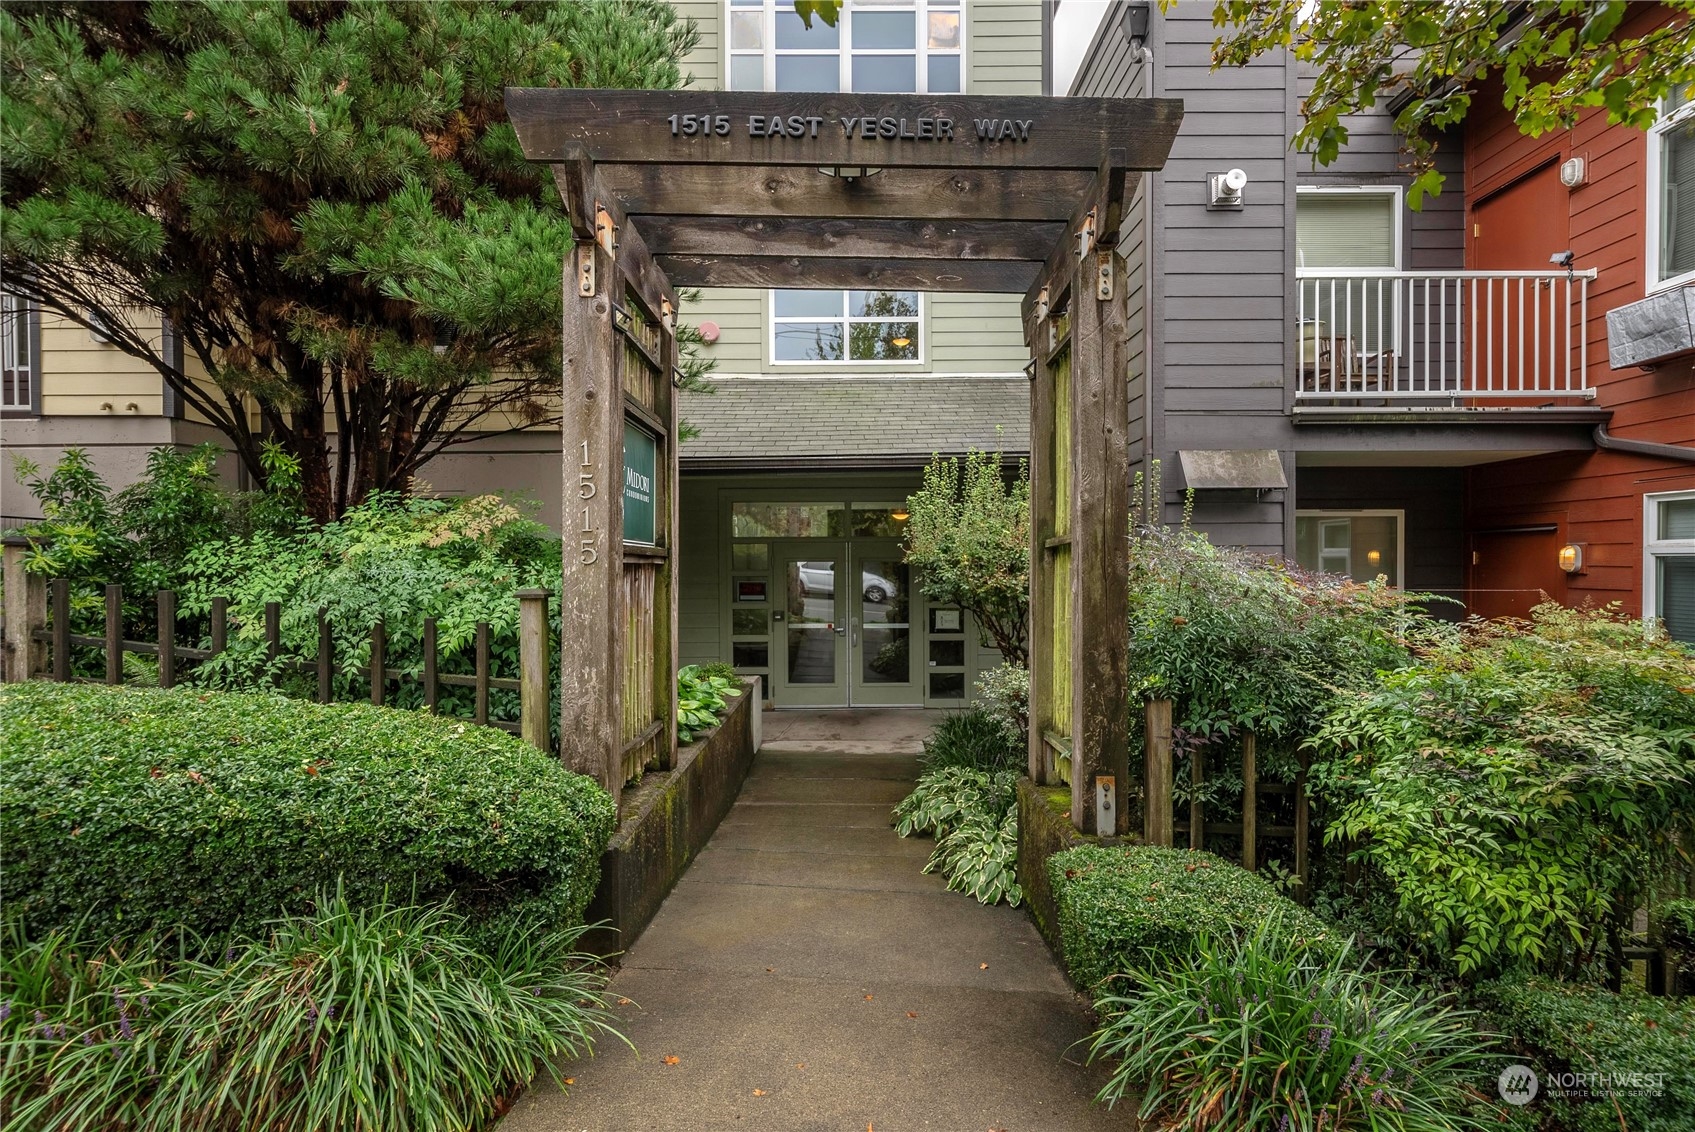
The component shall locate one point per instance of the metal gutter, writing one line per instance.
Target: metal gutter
(1603, 439)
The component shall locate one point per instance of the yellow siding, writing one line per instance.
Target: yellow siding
(1003, 46)
(82, 377)
(703, 66)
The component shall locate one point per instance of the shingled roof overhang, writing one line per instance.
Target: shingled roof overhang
(914, 192)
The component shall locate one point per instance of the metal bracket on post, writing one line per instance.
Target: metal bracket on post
(1042, 305)
(585, 270)
(605, 231)
(1086, 235)
(1106, 803)
(1103, 275)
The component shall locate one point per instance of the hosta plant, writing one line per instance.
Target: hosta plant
(701, 699)
(973, 815)
(1264, 1033)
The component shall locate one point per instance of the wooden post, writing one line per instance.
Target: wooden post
(1044, 544)
(533, 703)
(326, 657)
(1250, 802)
(379, 663)
(167, 638)
(432, 686)
(114, 634)
(591, 633)
(273, 631)
(482, 672)
(1156, 793)
(1303, 867)
(1197, 815)
(220, 624)
(62, 630)
(1100, 533)
(26, 613)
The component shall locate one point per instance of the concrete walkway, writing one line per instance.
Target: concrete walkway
(805, 956)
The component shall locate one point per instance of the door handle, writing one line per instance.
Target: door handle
(841, 630)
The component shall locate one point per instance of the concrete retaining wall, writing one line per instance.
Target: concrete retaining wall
(1044, 828)
(668, 818)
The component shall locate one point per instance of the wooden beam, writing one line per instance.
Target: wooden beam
(851, 238)
(584, 192)
(892, 194)
(975, 276)
(651, 127)
(1101, 210)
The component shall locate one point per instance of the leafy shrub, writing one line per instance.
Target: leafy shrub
(1262, 1031)
(1521, 788)
(390, 1017)
(968, 542)
(973, 815)
(1240, 640)
(1122, 910)
(398, 562)
(976, 739)
(136, 810)
(701, 699)
(1561, 1028)
(1004, 692)
(1676, 920)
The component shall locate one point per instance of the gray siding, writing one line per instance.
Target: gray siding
(1212, 339)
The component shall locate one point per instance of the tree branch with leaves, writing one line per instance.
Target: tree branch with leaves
(1553, 60)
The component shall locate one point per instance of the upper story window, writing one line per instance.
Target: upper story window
(845, 326)
(877, 46)
(1671, 192)
(18, 356)
(1355, 229)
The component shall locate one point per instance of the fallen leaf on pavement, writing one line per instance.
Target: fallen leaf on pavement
(570, 1080)
(982, 966)
(671, 1059)
(868, 998)
(759, 1092)
(912, 1013)
(769, 970)
(623, 1002)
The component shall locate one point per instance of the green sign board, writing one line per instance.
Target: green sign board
(641, 453)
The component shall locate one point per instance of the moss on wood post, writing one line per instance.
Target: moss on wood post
(26, 612)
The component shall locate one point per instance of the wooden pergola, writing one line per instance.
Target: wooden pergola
(1013, 195)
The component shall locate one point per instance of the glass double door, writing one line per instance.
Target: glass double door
(844, 630)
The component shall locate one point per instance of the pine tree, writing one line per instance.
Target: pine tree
(325, 199)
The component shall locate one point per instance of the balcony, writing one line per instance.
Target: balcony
(1404, 342)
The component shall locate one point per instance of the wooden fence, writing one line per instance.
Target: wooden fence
(1159, 824)
(38, 642)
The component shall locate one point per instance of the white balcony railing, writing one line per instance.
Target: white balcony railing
(1442, 337)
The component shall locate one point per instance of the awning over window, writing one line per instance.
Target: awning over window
(1232, 468)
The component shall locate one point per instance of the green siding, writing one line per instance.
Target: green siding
(706, 62)
(1003, 46)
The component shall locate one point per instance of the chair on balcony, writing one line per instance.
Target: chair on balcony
(1333, 363)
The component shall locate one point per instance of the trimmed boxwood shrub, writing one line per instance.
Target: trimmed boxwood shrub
(1644, 1048)
(1124, 909)
(126, 811)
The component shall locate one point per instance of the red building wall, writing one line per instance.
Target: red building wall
(1590, 498)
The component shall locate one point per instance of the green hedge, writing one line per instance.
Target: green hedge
(128, 810)
(1123, 908)
(1561, 1028)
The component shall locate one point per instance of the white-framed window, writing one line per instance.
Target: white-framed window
(20, 356)
(1356, 228)
(877, 46)
(1358, 544)
(849, 327)
(1668, 562)
(1670, 228)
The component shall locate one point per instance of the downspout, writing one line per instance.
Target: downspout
(1603, 439)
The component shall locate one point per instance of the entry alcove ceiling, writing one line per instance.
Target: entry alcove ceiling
(937, 193)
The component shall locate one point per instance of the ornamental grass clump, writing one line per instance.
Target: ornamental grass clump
(1261, 1032)
(385, 1017)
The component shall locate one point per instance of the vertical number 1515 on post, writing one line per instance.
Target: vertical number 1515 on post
(588, 542)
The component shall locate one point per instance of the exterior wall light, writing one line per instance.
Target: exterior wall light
(1224, 190)
(900, 514)
(1571, 558)
(1574, 172)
